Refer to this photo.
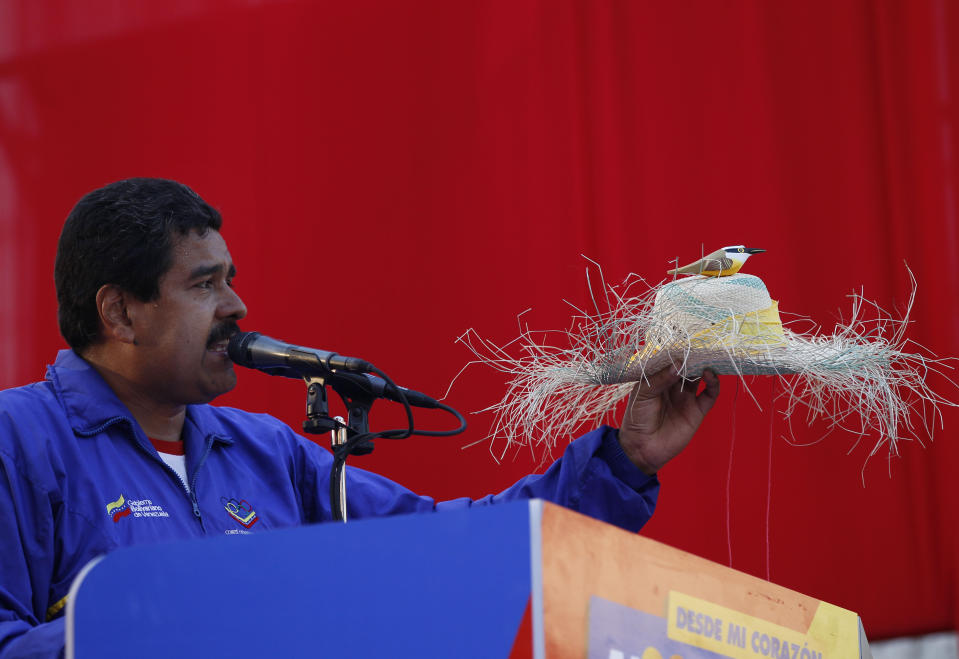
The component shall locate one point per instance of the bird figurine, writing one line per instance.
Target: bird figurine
(721, 263)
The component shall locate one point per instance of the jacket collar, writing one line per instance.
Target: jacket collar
(91, 405)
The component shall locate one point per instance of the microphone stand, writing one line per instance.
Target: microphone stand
(338, 438)
(349, 439)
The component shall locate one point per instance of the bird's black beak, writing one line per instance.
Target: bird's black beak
(754, 250)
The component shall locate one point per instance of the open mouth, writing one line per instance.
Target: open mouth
(218, 347)
(219, 339)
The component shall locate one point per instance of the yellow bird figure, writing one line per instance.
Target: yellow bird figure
(721, 263)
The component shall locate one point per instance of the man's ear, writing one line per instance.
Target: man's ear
(115, 315)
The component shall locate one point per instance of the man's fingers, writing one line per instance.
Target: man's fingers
(708, 396)
(658, 383)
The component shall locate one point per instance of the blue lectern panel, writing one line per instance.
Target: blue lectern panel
(441, 585)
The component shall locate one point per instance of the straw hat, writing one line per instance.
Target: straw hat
(859, 378)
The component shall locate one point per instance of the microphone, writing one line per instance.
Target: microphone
(254, 350)
(364, 384)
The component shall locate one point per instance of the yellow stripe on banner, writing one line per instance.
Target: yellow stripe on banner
(832, 634)
(54, 610)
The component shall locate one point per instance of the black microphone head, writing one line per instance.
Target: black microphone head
(237, 348)
(253, 350)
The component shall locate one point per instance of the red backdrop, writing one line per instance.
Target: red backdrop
(393, 173)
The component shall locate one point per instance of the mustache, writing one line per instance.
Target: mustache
(222, 332)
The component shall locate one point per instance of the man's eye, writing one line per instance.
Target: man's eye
(206, 283)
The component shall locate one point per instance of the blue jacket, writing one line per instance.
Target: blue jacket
(78, 478)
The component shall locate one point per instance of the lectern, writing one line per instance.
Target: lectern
(526, 579)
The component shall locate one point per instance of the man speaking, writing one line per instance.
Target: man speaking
(120, 446)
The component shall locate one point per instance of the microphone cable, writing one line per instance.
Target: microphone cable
(361, 443)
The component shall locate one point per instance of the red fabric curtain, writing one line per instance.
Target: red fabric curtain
(392, 174)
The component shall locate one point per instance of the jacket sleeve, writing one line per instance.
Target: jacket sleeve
(40, 642)
(593, 477)
(25, 530)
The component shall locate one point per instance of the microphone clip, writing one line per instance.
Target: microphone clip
(357, 402)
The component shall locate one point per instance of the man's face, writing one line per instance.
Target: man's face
(182, 336)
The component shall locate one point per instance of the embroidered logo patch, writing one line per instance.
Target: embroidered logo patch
(118, 509)
(147, 508)
(240, 510)
(136, 507)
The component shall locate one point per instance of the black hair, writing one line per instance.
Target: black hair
(121, 234)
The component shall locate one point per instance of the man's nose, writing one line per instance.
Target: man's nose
(232, 305)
